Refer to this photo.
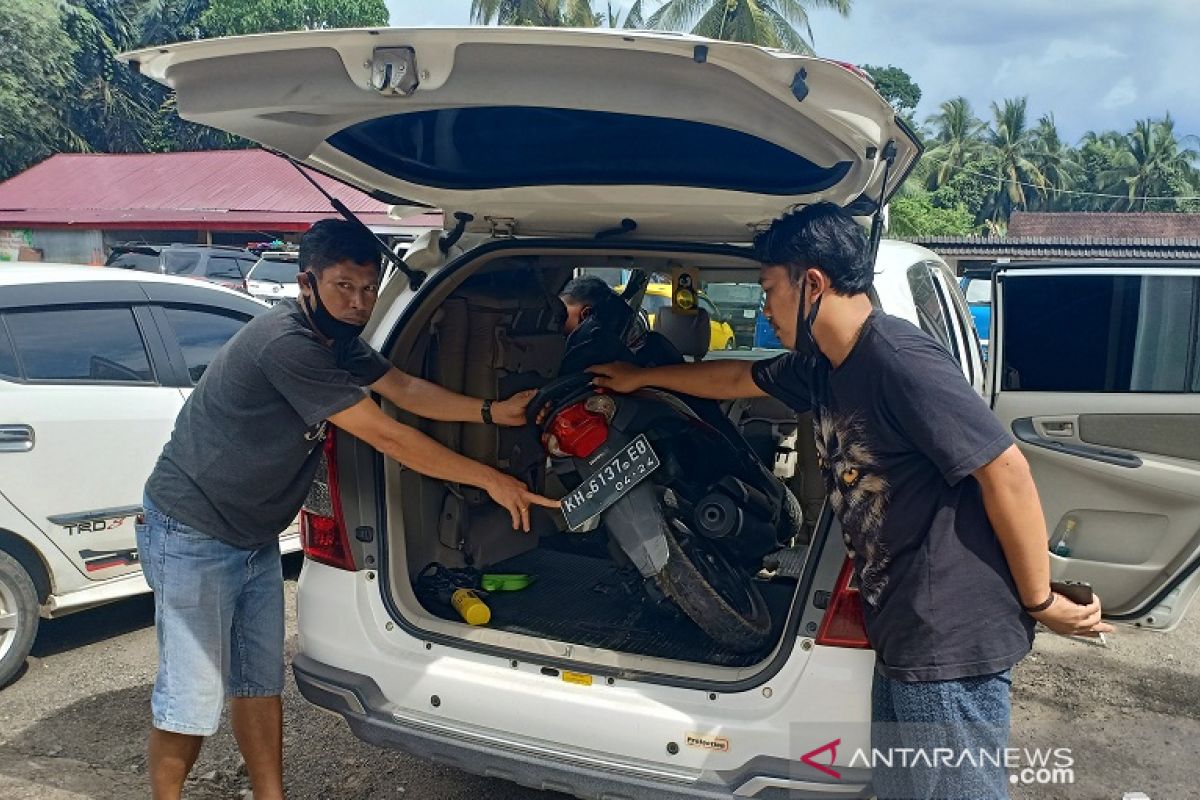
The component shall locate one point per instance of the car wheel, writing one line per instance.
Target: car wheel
(18, 617)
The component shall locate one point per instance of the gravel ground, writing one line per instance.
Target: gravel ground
(74, 725)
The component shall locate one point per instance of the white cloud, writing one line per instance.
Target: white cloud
(1122, 94)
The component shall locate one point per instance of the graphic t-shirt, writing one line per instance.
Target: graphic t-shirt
(899, 432)
(246, 444)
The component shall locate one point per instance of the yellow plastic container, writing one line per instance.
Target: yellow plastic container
(470, 607)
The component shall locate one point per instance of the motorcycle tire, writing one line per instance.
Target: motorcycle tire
(740, 630)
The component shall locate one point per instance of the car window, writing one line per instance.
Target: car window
(180, 262)
(707, 305)
(1101, 333)
(979, 291)
(223, 267)
(80, 344)
(143, 262)
(8, 357)
(277, 271)
(653, 302)
(734, 294)
(931, 312)
(201, 335)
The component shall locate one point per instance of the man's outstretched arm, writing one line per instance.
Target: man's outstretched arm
(715, 380)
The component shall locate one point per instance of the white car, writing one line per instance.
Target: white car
(273, 277)
(554, 151)
(94, 367)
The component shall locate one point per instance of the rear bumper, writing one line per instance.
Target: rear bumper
(359, 700)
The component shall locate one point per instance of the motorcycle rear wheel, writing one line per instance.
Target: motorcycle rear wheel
(722, 601)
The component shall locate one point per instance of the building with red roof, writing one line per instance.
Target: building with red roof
(75, 207)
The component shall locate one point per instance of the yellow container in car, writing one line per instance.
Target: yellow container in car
(470, 607)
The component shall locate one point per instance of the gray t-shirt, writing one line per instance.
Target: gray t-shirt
(247, 442)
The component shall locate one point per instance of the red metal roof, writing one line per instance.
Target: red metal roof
(1104, 225)
(214, 190)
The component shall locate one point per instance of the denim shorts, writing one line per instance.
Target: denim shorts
(218, 611)
(965, 721)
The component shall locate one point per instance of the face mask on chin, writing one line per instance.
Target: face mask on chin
(326, 324)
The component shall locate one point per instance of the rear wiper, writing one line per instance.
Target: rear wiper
(415, 277)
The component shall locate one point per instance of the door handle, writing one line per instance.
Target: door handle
(16, 438)
(1058, 428)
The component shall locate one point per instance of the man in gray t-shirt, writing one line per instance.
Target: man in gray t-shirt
(237, 469)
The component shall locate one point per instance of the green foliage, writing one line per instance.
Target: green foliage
(897, 87)
(237, 17)
(771, 23)
(543, 13)
(32, 88)
(916, 215)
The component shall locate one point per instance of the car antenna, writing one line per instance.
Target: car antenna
(415, 277)
(889, 155)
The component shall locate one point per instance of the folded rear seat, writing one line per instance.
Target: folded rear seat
(497, 334)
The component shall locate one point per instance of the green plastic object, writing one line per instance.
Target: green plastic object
(497, 582)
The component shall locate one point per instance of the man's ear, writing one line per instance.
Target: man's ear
(584, 312)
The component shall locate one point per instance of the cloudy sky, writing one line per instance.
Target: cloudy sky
(1099, 64)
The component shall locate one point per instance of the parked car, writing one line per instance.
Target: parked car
(977, 287)
(740, 303)
(577, 683)
(94, 366)
(658, 296)
(224, 266)
(273, 278)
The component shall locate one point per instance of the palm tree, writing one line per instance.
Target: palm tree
(544, 13)
(612, 19)
(957, 140)
(771, 23)
(1057, 162)
(1148, 163)
(1010, 143)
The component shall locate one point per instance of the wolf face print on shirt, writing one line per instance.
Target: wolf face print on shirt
(859, 494)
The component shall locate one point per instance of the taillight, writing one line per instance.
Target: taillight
(843, 624)
(857, 70)
(578, 431)
(322, 528)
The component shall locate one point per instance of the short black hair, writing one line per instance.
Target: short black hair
(820, 236)
(330, 241)
(586, 290)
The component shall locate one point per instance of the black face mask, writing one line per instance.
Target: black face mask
(326, 324)
(806, 343)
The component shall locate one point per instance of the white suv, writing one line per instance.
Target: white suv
(552, 152)
(94, 366)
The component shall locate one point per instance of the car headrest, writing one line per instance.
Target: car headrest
(690, 333)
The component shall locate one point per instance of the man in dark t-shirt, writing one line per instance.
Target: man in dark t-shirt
(937, 505)
(235, 473)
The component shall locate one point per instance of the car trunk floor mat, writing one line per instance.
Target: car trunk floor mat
(593, 602)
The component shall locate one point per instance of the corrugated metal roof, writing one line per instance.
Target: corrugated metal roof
(1098, 224)
(202, 189)
(1174, 249)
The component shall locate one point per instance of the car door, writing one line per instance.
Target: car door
(87, 391)
(1096, 370)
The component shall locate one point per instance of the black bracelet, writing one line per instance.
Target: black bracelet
(486, 412)
(1042, 606)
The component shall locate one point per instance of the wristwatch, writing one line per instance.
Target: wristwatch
(486, 412)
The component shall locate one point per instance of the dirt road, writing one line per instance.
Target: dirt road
(74, 725)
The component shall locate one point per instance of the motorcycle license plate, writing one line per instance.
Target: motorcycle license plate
(629, 467)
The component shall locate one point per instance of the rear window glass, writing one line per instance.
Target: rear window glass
(1101, 333)
(180, 263)
(931, 312)
(224, 267)
(201, 335)
(277, 271)
(8, 358)
(80, 344)
(492, 147)
(143, 262)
